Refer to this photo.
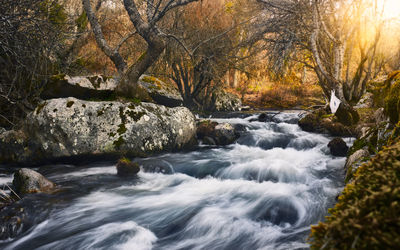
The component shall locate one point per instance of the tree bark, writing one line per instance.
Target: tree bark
(113, 54)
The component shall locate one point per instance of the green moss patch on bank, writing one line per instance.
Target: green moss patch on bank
(367, 213)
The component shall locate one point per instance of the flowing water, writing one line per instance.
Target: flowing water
(263, 192)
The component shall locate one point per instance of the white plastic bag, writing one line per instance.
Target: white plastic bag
(334, 103)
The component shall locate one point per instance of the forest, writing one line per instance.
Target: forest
(199, 124)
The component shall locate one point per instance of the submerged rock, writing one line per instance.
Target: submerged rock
(70, 127)
(28, 181)
(126, 168)
(338, 147)
(310, 123)
(212, 133)
(320, 121)
(225, 134)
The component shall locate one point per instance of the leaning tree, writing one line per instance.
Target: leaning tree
(145, 16)
(337, 39)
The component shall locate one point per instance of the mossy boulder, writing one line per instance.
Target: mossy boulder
(367, 213)
(347, 115)
(310, 123)
(392, 102)
(212, 133)
(319, 121)
(127, 168)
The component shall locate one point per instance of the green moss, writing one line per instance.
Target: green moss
(100, 112)
(156, 83)
(124, 160)
(70, 103)
(392, 102)
(395, 135)
(121, 129)
(327, 116)
(118, 143)
(135, 115)
(40, 106)
(59, 77)
(54, 12)
(122, 115)
(81, 22)
(111, 134)
(370, 143)
(141, 57)
(367, 213)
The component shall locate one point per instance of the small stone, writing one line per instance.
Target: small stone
(126, 168)
(29, 181)
(224, 134)
(262, 117)
(338, 147)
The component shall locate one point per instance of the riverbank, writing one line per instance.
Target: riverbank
(366, 215)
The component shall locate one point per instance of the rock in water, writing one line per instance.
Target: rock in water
(28, 181)
(225, 134)
(212, 133)
(263, 117)
(126, 168)
(338, 147)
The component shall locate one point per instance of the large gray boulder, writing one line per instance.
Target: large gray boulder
(28, 181)
(161, 92)
(70, 127)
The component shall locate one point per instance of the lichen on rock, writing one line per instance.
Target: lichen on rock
(95, 128)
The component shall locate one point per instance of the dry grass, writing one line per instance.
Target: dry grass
(8, 196)
(284, 95)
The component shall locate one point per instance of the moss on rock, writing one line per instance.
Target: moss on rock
(392, 102)
(367, 213)
(70, 103)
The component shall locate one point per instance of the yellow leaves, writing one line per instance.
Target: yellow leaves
(229, 7)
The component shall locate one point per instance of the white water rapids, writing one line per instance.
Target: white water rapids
(263, 192)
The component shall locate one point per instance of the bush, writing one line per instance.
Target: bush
(367, 213)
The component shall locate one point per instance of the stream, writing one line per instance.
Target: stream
(263, 192)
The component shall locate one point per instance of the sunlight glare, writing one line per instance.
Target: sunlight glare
(391, 9)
